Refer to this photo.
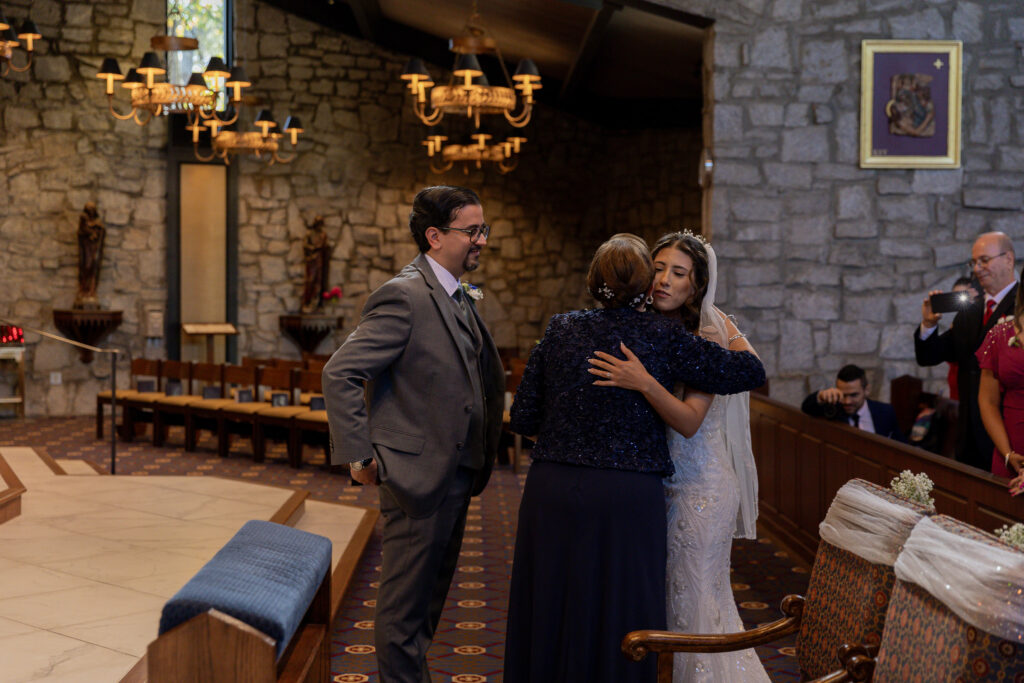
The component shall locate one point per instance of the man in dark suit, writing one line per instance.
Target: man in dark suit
(426, 428)
(992, 260)
(848, 402)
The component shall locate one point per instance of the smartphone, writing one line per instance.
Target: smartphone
(950, 302)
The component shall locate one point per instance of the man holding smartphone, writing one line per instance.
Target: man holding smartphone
(992, 262)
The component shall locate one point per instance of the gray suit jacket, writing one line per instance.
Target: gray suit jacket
(414, 414)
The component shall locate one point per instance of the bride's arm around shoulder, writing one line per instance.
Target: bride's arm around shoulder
(736, 340)
(685, 416)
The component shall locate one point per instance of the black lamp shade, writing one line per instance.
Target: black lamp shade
(481, 80)
(238, 77)
(293, 123)
(267, 117)
(467, 63)
(217, 68)
(9, 35)
(110, 68)
(134, 78)
(4, 24)
(526, 70)
(196, 79)
(150, 62)
(29, 30)
(415, 67)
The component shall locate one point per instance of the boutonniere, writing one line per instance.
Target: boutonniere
(472, 291)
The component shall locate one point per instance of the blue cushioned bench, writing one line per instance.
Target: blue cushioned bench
(259, 609)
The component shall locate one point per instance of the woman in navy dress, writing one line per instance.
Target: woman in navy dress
(591, 543)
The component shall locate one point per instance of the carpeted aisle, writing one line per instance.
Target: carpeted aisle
(469, 644)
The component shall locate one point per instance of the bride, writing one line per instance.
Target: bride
(712, 496)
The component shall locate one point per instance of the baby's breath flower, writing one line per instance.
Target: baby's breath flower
(1014, 535)
(913, 487)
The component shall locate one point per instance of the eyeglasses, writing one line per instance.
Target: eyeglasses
(983, 261)
(474, 232)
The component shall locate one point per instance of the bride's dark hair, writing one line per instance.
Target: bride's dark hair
(693, 247)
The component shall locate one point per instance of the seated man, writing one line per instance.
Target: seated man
(848, 402)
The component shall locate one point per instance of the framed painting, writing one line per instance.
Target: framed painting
(910, 103)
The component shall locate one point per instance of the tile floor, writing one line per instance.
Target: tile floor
(87, 566)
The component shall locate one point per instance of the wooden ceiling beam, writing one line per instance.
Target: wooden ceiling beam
(368, 17)
(588, 50)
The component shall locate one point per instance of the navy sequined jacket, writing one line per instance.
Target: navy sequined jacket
(581, 424)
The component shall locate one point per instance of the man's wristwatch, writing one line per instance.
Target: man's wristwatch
(359, 464)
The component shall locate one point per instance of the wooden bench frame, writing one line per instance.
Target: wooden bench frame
(216, 647)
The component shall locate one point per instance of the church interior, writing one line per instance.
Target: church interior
(199, 197)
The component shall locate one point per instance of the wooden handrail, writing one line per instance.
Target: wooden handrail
(802, 461)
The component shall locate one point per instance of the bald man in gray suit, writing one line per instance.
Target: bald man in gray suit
(426, 428)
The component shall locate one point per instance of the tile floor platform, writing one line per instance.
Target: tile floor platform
(88, 564)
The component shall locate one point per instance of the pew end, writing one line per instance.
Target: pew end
(276, 581)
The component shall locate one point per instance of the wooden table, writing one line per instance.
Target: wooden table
(16, 354)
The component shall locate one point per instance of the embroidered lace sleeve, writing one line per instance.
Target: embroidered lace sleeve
(995, 342)
(528, 405)
(706, 366)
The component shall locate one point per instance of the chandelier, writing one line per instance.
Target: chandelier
(468, 92)
(257, 143)
(475, 153)
(10, 39)
(198, 100)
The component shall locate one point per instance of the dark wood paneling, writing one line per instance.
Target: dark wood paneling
(802, 462)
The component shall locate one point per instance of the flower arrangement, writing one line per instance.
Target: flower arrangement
(332, 294)
(1013, 535)
(472, 291)
(913, 487)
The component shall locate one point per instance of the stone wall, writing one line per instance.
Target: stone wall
(360, 164)
(59, 148)
(827, 263)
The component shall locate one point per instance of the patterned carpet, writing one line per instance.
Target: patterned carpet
(469, 644)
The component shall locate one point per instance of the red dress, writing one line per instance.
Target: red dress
(1007, 364)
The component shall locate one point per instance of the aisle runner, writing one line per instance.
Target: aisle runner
(469, 644)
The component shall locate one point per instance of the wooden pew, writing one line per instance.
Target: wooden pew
(268, 575)
(802, 461)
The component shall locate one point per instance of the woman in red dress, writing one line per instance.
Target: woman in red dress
(1001, 358)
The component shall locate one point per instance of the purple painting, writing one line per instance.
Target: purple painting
(910, 104)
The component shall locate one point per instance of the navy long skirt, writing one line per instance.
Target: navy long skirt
(589, 568)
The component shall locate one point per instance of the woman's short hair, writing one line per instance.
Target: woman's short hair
(621, 271)
(692, 246)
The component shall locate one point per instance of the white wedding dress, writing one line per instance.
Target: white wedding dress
(702, 500)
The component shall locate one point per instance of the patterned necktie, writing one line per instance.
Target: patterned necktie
(990, 306)
(457, 296)
(460, 298)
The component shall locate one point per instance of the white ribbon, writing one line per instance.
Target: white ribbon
(866, 524)
(982, 584)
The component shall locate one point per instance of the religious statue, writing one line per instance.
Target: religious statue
(317, 254)
(90, 256)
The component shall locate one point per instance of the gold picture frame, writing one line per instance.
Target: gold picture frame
(910, 106)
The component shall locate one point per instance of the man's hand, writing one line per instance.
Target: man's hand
(830, 395)
(929, 318)
(366, 476)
